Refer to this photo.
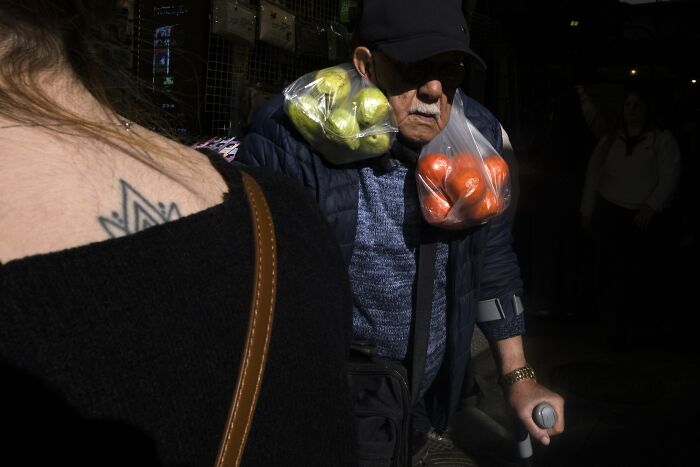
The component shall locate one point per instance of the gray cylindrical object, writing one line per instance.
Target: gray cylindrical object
(544, 415)
(525, 448)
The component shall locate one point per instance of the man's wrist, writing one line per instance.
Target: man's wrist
(519, 374)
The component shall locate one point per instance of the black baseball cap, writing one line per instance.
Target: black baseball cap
(413, 30)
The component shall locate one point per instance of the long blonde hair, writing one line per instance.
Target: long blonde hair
(37, 36)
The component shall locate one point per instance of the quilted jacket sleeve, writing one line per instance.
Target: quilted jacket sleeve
(272, 142)
(500, 311)
(501, 284)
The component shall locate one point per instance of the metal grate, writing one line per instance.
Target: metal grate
(314, 10)
(233, 67)
(218, 96)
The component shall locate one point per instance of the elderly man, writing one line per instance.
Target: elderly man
(415, 52)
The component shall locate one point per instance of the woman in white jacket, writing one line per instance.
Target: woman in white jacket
(631, 179)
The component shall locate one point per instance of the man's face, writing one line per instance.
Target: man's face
(420, 93)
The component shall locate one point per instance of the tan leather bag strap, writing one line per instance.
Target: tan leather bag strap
(250, 374)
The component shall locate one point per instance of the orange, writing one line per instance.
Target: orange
(433, 170)
(465, 186)
(498, 171)
(488, 206)
(435, 207)
(464, 160)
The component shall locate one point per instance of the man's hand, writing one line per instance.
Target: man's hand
(524, 395)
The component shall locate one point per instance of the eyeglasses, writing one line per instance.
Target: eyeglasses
(451, 74)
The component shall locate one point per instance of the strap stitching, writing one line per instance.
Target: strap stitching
(251, 190)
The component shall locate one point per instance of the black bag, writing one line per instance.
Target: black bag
(382, 404)
(382, 394)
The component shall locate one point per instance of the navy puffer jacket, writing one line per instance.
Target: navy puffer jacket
(481, 264)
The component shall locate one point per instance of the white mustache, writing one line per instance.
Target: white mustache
(425, 109)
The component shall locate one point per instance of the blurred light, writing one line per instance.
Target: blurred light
(573, 23)
(694, 81)
(633, 71)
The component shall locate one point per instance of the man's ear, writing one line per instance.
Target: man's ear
(362, 59)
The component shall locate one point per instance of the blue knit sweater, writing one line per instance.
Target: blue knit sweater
(383, 267)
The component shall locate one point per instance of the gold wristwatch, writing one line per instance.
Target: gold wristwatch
(519, 374)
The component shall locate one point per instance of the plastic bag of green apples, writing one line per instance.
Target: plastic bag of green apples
(341, 115)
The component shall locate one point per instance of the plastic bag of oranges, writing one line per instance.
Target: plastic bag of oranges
(341, 115)
(462, 180)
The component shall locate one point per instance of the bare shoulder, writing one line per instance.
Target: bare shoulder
(82, 191)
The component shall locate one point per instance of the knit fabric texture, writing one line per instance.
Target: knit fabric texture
(383, 267)
(125, 352)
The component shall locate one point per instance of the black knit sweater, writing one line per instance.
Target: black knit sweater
(125, 352)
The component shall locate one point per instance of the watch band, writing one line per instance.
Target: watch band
(516, 375)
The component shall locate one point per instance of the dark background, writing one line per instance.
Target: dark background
(534, 55)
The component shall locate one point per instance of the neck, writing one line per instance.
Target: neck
(408, 143)
(634, 130)
(60, 92)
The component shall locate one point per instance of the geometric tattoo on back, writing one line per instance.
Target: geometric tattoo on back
(137, 214)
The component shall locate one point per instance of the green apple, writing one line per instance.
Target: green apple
(333, 82)
(343, 127)
(306, 114)
(372, 106)
(375, 144)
